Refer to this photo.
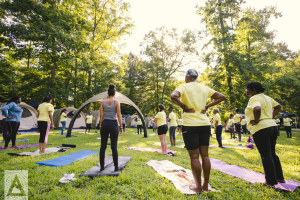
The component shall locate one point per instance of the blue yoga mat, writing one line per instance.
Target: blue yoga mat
(67, 159)
(23, 140)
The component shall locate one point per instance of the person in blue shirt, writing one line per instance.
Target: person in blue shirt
(13, 113)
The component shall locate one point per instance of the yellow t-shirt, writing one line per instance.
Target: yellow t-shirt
(63, 117)
(179, 122)
(267, 104)
(287, 121)
(195, 96)
(230, 122)
(217, 118)
(277, 121)
(139, 121)
(243, 122)
(161, 118)
(172, 117)
(89, 119)
(236, 118)
(44, 109)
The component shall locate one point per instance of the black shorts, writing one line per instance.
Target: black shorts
(162, 129)
(179, 126)
(88, 126)
(196, 136)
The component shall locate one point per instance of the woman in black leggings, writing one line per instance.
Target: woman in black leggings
(110, 110)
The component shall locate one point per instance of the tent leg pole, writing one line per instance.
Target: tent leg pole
(73, 121)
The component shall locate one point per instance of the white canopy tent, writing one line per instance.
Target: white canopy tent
(29, 117)
(79, 122)
(101, 97)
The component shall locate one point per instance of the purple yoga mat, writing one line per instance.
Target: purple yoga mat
(150, 150)
(23, 140)
(22, 146)
(228, 147)
(249, 175)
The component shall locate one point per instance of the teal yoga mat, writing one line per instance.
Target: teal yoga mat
(67, 159)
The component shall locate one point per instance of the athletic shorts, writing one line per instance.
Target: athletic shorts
(88, 126)
(196, 136)
(162, 129)
(232, 126)
(179, 126)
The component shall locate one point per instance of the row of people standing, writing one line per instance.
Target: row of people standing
(192, 98)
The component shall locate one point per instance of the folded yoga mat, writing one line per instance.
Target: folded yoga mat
(37, 152)
(22, 146)
(180, 177)
(23, 140)
(67, 159)
(178, 146)
(108, 167)
(249, 175)
(150, 150)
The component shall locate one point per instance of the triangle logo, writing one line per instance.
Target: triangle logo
(16, 188)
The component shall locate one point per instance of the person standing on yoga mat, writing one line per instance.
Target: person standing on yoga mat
(179, 122)
(110, 111)
(45, 117)
(63, 120)
(88, 121)
(196, 129)
(173, 126)
(244, 125)
(218, 126)
(259, 114)
(231, 127)
(237, 123)
(162, 127)
(13, 113)
(123, 122)
(287, 126)
(139, 125)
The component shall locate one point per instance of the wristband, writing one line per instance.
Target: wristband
(256, 121)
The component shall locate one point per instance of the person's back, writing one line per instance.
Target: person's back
(266, 103)
(195, 96)
(110, 112)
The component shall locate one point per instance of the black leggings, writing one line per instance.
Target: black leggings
(238, 130)
(12, 128)
(123, 127)
(288, 130)
(139, 129)
(109, 127)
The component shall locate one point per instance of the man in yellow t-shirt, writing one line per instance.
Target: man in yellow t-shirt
(139, 125)
(244, 125)
(218, 126)
(162, 127)
(179, 122)
(173, 126)
(237, 123)
(287, 126)
(196, 130)
(88, 121)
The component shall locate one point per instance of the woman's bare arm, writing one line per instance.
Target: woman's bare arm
(118, 108)
(51, 119)
(101, 113)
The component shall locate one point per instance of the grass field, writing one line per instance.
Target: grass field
(138, 180)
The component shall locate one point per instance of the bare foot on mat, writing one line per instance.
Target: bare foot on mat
(195, 189)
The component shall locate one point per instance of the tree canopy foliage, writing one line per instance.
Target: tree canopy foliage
(71, 49)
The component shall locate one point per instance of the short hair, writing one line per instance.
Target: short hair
(257, 86)
(216, 109)
(111, 90)
(170, 108)
(47, 98)
(161, 107)
(231, 115)
(13, 99)
(236, 110)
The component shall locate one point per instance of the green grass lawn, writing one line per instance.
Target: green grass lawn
(138, 180)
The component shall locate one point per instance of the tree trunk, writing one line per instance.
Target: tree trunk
(163, 92)
(224, 50)
(75, 83)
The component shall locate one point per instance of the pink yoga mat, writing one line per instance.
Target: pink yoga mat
(150, 150)
(249, 175)
(22, 146)
(228, 147)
